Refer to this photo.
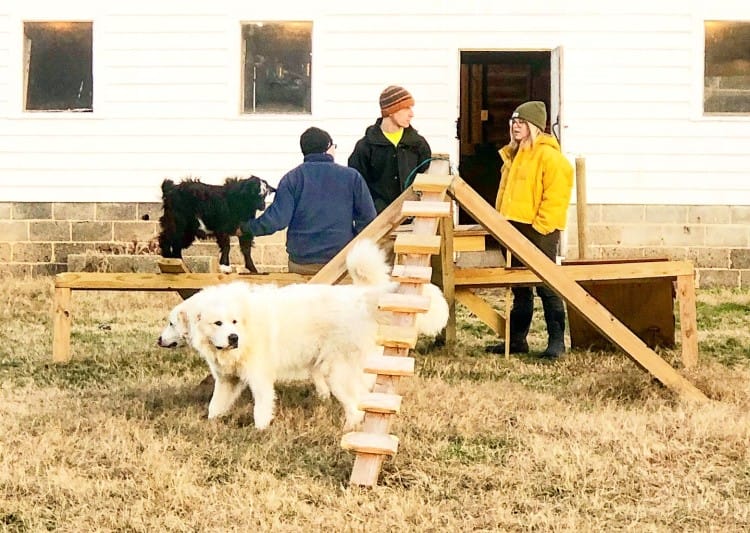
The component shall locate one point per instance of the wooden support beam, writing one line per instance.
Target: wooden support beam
(482, 310)
(61, 321)
(556, 278)
(688, 320)
(128, 281)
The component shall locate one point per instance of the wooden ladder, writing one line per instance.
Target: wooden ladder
(412, 269)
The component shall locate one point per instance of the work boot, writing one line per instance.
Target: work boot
(554, 316)
(520, 322)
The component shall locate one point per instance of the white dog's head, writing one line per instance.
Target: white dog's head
(217, 326)
(177, 330)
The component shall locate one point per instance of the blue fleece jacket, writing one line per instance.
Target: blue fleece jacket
(323, 205)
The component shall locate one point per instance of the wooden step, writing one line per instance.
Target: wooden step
(432, 182)
(407, 243)
(404, 303)
(390, 365)
(412, 208)
(397, 336)
(169, 265)
(375, 443)
(411, 274)
(381, 402)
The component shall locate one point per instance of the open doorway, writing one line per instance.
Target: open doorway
(493, 84)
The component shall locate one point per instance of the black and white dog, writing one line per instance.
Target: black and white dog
(193, 209)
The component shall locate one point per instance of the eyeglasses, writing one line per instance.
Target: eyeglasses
(519, 121)
(332, 145)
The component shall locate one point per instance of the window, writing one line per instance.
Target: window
(726, 79)
(57, 66)
(276, 67)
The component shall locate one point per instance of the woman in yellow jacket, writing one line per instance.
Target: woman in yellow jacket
(535, 185)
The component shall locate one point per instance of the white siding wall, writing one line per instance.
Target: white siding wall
(166, 93)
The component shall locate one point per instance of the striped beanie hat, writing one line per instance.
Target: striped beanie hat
(394, 98)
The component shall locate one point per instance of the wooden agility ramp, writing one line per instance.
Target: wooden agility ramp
(374, 442)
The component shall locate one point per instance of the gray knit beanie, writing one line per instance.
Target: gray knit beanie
(534, 112)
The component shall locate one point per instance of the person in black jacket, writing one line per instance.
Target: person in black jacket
(322, 204)
(391, 151)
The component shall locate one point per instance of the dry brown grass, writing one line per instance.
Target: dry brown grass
(117, 440)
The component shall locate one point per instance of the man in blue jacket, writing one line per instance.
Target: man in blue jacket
(323, 204)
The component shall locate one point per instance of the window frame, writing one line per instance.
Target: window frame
(295, 114)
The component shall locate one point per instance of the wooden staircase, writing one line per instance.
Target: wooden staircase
(412, 269)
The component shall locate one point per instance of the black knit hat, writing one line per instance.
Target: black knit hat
(315, 141)
(394, 98)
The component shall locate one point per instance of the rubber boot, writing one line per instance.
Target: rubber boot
(520, 322)
(554, 316)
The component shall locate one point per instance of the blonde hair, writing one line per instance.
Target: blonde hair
(534, 132)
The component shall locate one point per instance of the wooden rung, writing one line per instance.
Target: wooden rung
(408, 243)
(170, 265)
(375, 443)
(397, 336)
(381, 402)
(412, 208)
(389, 365)
(412, 274)
(432, 182)
(404, 303)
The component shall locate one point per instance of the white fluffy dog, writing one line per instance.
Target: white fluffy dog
(262, 334)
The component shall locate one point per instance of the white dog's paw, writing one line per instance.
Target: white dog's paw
(353, 419)
(225, 269)
(263, 422)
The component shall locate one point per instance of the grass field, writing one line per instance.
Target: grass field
(118, 440)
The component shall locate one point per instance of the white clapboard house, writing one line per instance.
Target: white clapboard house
(101, 100)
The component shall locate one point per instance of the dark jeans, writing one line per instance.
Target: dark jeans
(523, 297)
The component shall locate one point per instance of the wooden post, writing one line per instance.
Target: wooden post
(688, 320)
(582, 221)
(61, 325)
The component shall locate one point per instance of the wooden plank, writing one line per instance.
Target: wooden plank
(371, 443)
(404, 303)
(61, 320)
(389, 365)
(381, 402)
(426, 209)
(500, 277)
(688, 320)
(400, 336)
(411, 274)
(482, 310)
(468, 243)
(114, 281)
(170, 265)
(384, 223)
(556, 277)
(417, 244)
(432, 182)
(445, 278)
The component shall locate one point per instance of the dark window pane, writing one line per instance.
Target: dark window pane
(58, 66)
(727, 67)
(277, 67)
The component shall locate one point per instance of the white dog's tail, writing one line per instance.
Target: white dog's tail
(366, 264)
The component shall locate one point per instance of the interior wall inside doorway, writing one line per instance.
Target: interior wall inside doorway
(493, 84)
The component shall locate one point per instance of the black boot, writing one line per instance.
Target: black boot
(520, 322)
(554, 316)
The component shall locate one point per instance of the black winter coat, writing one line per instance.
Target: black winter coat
(386, 167)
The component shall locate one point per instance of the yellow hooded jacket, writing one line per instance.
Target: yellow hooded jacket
(535, 185)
